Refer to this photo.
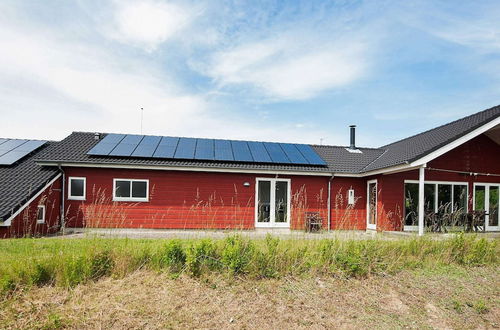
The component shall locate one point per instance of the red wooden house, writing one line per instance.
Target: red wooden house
(136, 181)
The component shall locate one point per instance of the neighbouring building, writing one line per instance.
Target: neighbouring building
(137, 181)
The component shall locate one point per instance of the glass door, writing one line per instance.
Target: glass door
(273, 203)
(371, 207)
(486, 198)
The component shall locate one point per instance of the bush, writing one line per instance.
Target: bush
(101, 264)
(42, 274)
(173, 255)
(201, 256)
(237, 254)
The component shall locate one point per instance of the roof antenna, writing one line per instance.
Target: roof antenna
(142, 115)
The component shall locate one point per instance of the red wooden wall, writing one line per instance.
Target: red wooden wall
(479, 155)
(25, 224)
(185, 199)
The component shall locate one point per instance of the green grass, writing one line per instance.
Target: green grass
(25, 263)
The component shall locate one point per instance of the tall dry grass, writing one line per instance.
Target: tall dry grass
(69, 262)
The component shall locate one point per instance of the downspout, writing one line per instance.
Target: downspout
(329, 216)
(63, 194)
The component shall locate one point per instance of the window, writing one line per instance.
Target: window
(125, 190)
(40, 214)
(76, 189)
(439, 198)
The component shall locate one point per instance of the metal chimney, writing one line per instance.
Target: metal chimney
(353, 137)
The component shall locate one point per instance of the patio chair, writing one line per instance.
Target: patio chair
(313, 221)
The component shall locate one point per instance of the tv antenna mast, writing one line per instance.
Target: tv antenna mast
(142, 115)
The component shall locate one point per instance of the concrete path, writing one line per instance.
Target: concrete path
(254, 234)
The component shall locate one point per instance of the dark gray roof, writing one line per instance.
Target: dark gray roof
(420, 145)
(21, 181)
(74, 148)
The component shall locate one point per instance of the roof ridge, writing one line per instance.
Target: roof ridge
(435, 128)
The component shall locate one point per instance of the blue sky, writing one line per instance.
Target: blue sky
(261, 70)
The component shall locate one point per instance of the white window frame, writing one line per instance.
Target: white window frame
(436, 199)
(486, 203)
(43, 214)
(77, 198)
(131, 199)
(368, 224)
(272, 223)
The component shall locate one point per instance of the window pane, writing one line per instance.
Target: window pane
(122, 189)
(77, 187)
(444, 198)
(40, 215)
(264, 202)
(281, 201)
(139, 189)
(411, 204)
(459, 198)
(429, 197)
(493, 212)
(479, 195)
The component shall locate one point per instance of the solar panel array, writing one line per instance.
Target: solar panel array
(12, 150)
(128, 145)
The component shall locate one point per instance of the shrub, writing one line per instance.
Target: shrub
(42, 274)
(173, 255)
(101, 264)
(201, 255)
(237, 254)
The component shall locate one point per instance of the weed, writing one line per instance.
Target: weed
(480, 307)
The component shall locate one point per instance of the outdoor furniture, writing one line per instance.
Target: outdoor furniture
(313, 221)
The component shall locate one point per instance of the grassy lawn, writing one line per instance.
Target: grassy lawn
(238, 282)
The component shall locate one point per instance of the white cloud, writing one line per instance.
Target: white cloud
(288, 69)
(149, 23)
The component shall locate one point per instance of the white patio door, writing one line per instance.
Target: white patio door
(272, 207)
(371, 205)
(486, 198)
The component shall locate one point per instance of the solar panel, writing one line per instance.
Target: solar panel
(241, 151)
(10, 145)
(21, 149)
(223, 150)
(276, 153)
(166, 148)
(127, 146)
(104, 147)
(185, 148)
(199, 149)
(204, 149)
(259, 152)
(293, 153)
(147, 146)
(308, 152)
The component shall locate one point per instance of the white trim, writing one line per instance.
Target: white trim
(456, 143)
(458, 183)
(131, 198)
(7, 222)
(43, 214)
(486, 204)
(272, 202)
(368, 225)
(77, 198)
(188, 169)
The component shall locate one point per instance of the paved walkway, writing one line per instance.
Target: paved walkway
(256, 234)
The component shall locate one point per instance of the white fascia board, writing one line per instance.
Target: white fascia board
(452, 145)
(7, 222)
(180, 168)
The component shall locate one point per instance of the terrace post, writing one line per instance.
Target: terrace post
(421, 200)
